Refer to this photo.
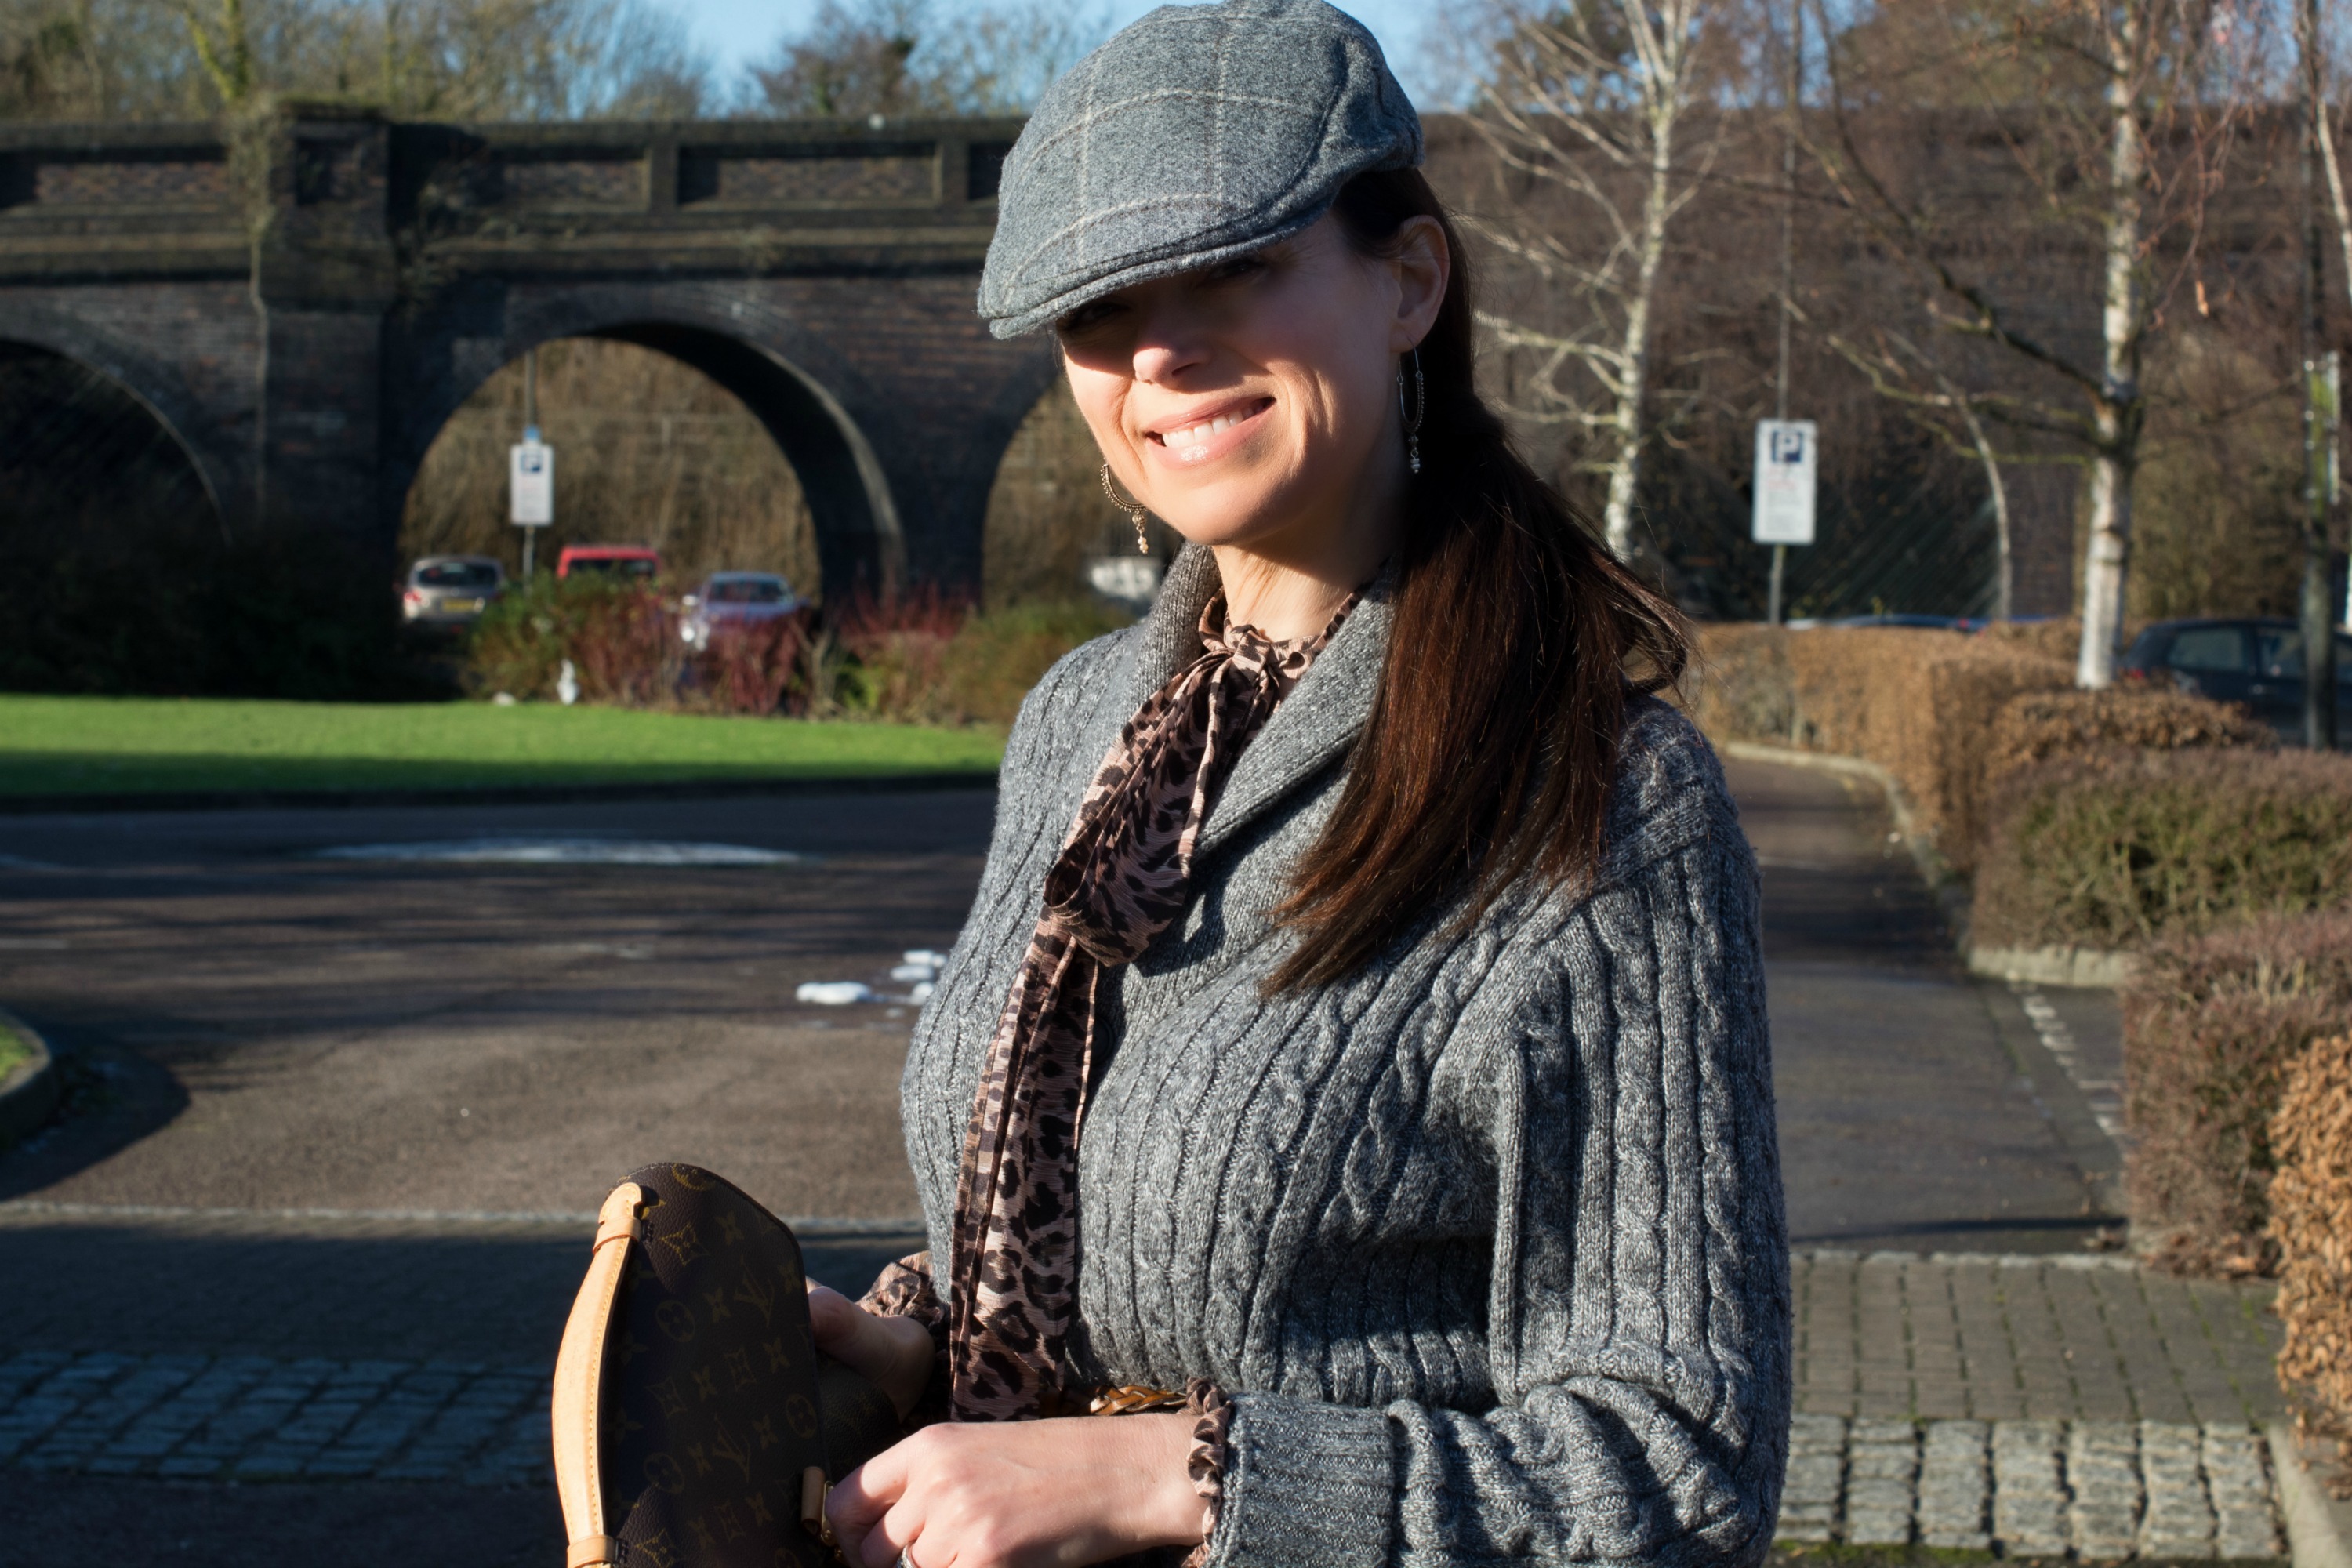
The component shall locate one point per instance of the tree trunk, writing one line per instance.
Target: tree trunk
(2004, 587)
(1625, 465)
(2118, 413)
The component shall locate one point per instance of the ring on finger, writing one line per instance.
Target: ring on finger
(905, 1560)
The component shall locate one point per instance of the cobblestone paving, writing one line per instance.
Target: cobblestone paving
(2066, 1337)
(2101, 1491)
(253, 1418)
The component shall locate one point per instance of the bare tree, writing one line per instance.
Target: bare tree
(1591, 104)
(859, 57)
(2118, 116)
(461, 60)
(1912, 376)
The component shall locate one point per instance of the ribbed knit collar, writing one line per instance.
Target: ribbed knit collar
(1316, 724)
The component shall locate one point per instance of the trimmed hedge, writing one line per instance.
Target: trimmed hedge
(2112, 850)
(2044, 724)
(2211, 1025)
(1952, 717)
(2311, 1223)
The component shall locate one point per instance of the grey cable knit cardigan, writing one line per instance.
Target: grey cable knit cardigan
(1486, 1241)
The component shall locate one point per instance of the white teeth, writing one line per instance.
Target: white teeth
(1194, 435)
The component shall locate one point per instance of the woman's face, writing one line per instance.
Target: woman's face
(1258, 398)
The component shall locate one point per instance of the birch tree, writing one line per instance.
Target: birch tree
(1593, 104)
(2117, 115)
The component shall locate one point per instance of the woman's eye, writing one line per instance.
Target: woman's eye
(1086, 317)
(1240, 266)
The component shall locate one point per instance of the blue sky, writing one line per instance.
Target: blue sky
(737, 30)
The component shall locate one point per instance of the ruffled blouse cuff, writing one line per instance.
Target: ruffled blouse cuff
(1212, 1419)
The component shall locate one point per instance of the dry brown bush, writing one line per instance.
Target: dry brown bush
(2311, 1224)
(2043, 724)
(2210, 1026)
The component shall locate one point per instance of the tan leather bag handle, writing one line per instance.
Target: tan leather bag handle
(580, 1384)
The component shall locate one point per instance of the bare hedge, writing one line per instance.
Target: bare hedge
(2211, 1025)
(2115, 849)
(2311, 1224)
(1952, 717)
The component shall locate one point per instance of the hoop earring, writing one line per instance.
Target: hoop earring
(1130, 505)
(1413, 420)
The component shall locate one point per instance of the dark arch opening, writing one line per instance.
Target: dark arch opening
(113, 537)
(852, 517)
(649, 450)
(858, 542)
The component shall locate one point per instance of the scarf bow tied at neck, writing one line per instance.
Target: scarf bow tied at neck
(1122, 877)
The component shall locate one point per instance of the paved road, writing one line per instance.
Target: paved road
(334, 1119)
(1919, 1107)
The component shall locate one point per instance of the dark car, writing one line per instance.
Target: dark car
(2256, 661)
(450, 590)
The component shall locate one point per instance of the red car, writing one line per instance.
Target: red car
(609, 560)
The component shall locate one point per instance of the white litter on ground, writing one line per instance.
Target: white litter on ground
(833, 992)
(919, 992)
(915, 972)
(925, 955)
(567, 852)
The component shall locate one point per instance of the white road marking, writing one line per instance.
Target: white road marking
(566, 852)
(2104, 1094)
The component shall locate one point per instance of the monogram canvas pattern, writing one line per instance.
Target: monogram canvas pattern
(717, 1399)
(1123, 875)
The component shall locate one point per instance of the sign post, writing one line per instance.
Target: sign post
(1785, 481)
(531, 486)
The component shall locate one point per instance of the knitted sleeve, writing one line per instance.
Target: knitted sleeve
(1637, 1333)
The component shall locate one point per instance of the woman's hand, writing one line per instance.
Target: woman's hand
(1022, 1494)
(893, 1353)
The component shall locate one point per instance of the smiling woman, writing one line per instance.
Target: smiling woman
(1354, 1074)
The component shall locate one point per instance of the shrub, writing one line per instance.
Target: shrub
(2210, 1026)
(922, 656)
(2113, 848)
(998, 657)
(621, 642)
(2039, 725)
(2311, 1225)
(897, 652)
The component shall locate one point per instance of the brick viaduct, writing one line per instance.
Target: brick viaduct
(303, 310)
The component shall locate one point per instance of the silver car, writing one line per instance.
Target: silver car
(732, 601)
(450, 590)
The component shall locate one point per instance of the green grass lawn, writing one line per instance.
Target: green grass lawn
(14, 1048)
(110, 745)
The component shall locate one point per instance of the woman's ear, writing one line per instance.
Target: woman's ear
(1423, 265)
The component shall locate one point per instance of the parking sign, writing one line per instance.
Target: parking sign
(1784, 481)
(531, 479)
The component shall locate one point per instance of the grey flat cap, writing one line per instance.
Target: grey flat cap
(1197, 133)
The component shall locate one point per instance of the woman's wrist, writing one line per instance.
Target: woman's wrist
(1169, 1510)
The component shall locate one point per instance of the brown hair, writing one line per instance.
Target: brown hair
(1494, 739)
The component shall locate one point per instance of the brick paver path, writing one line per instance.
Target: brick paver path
(2063, 1337)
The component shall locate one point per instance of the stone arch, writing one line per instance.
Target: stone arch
(154, 386)
(855, 515)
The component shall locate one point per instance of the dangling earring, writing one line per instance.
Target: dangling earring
(1411, 421)
(1133, 508)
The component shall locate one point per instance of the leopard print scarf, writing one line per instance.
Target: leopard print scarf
(1122, 877)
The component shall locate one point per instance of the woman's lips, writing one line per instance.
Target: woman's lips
(1205, 440)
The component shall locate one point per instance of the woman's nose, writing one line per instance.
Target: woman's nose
(1165, 349)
